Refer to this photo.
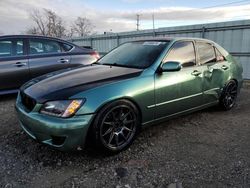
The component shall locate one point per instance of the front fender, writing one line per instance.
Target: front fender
(139, 90)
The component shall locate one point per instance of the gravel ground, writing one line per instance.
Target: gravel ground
(210, 148)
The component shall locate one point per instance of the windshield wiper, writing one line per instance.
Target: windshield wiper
(111, 64)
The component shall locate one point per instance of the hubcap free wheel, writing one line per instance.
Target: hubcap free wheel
(118, 127)
(230, 95)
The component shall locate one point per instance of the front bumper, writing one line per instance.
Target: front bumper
(62, 134)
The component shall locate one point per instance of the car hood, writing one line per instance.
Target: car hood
(63, 84)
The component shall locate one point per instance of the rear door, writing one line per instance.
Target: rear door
(214, 68)
(180, 90)
(14, 70)
(46, 56)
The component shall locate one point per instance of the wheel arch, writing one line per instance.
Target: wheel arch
(231, 79)
(226, 83)
(234, 79)
(130, 99)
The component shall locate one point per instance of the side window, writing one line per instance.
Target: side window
(182, 52)
(66, 47)
(206, 53)
(9, 48)
(5, 48)
(18, 48)
(42, 46)
(219, 56)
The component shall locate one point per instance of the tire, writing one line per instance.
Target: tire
(229, 95)
(116, 126)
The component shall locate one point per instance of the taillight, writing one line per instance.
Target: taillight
(95, 55)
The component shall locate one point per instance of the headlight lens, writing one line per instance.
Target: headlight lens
(62, 108)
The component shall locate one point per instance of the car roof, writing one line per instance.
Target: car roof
(174, 39)
(46, 37)
(36, 36)
(28, 36)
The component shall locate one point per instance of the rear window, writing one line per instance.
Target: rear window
(219, 56)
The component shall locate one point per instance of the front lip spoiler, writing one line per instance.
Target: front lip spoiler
(28, 132)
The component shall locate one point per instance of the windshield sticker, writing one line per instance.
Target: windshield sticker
(152, 43)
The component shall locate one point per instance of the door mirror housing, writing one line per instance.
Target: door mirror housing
(171, 66)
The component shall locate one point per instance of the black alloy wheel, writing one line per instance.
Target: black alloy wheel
(229, 95)
(116, 126)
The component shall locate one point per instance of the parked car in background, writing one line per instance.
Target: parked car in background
(23, 57)
(137, 84)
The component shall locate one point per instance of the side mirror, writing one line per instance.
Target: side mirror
(170, 66)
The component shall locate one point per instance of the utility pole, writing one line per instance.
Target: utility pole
(137, 22)
(153, 18)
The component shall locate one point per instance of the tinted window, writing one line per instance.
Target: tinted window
(11, 48)
(5, 48)
(206, 52)
(66, 47)
(219, 56)
(18, 47)
(135, 54)
(40, 46)
(182, 52)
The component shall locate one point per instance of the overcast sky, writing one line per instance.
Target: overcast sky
(120, 15)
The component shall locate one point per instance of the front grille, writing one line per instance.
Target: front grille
(27, 101)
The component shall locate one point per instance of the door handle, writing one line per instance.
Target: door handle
(224, 67)
(196, 73)
(20, 64)
(63, 61)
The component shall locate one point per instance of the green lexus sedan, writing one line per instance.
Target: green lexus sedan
(137, 84)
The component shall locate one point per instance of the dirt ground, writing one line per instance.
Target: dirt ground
(210, 148)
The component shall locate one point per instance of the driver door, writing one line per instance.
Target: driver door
(179, 91)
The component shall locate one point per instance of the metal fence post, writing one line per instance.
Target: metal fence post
(117, 40)
(91, 42)
(203, 32)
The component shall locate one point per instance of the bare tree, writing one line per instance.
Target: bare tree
(32, 31)
(55, 24)
(40, 22)
(70, 33)
(47, 23)
(82, 27)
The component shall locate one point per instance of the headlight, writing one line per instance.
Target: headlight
(62, 108)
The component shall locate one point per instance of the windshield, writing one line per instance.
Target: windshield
(140, 54)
